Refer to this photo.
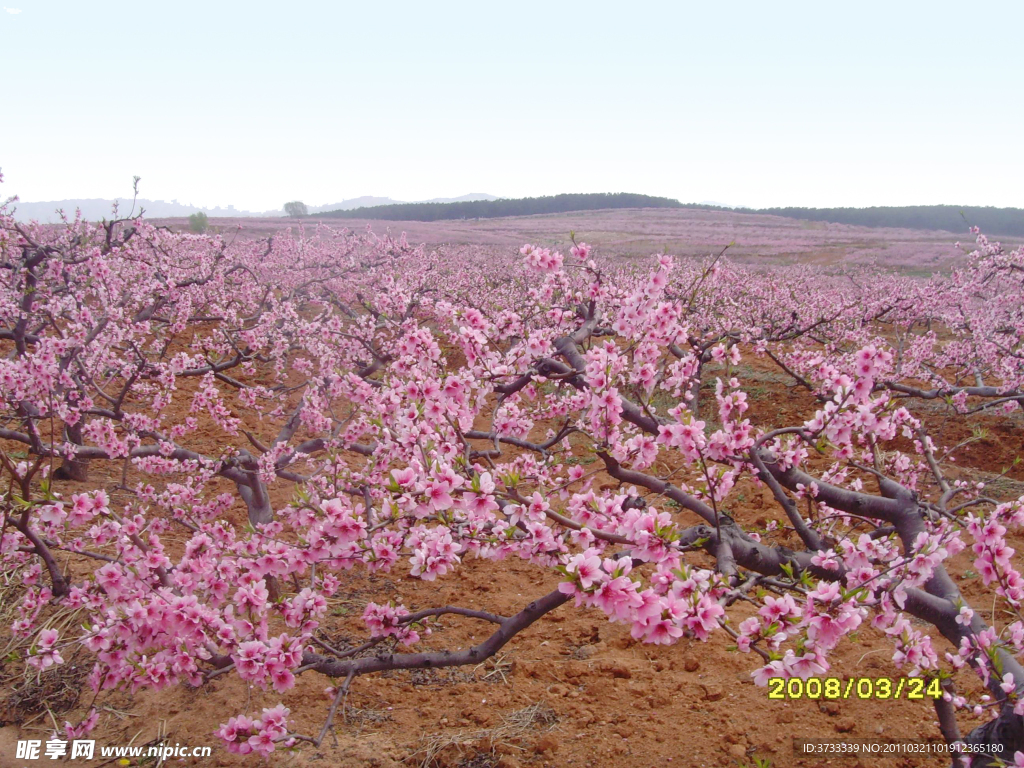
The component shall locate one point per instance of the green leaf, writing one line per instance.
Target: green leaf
(853, 593)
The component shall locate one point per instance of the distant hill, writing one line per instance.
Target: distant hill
(97, 208)
(716, 204)
(488, 209)
(374, 202)
(950, 218)
(995, 222)
(355, 202)
(472, 197)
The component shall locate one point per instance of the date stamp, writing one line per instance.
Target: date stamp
(832, 688)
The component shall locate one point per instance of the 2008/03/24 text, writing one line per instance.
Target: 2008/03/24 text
(855, 687)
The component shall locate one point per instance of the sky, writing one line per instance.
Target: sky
(746, 103)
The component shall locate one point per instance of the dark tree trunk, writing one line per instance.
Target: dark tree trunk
(73, 469)
(1006, 731)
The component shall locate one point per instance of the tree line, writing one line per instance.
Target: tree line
(489, 209)
(951, 218)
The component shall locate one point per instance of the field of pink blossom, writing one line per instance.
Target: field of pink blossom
(335, 498)
(684, 232)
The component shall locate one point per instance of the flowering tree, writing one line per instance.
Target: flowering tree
(371, 405)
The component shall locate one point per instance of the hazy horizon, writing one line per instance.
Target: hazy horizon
(253, 105)
(96, 208)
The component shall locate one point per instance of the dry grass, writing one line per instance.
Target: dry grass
(11, 589)
(52, 692)
(479, 748)
(438, 678)
(31, 695)
(497, 668)
(366, 717)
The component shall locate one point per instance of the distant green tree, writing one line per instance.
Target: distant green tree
(198, 222)
(950, 218)
(486, 209)
(295, 209)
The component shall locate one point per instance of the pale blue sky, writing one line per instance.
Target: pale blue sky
(760, 103)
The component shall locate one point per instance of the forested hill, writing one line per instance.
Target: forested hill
(952, 218)
(489, 209)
